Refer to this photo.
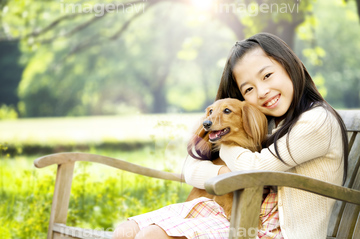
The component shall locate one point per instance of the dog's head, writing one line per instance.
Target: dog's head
(228, 121)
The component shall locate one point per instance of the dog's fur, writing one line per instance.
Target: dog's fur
(247, 128)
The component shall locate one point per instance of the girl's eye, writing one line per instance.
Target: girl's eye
(210, 112)
(227, 111)
(248, 90)
(267, 75)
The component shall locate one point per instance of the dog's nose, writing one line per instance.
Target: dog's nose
(207, 124)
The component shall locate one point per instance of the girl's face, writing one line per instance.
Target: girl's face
(264, 83)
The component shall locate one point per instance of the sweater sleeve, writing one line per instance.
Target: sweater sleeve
(309, 139)
(196, 171)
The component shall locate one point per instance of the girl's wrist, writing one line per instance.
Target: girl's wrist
(224, 169)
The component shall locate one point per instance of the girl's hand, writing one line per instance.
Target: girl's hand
(224, 169)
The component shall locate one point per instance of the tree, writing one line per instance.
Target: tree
(70, 45)
(328, 48)
(11, 72)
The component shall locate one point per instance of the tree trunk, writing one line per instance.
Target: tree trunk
(160, 104)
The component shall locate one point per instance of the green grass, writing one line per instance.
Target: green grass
(101, 196)
(95, 129)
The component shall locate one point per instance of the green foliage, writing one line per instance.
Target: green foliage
(7, 112)
(330, 51)
(24, 200)
(101, 197)
(314, 55)
(319, 81)
(190, 48)
(162, 57)
(74, 71)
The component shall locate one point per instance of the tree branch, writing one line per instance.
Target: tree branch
(52, 25)
(74, 30)
(56, 22)
(45, 29)
(119, 32)
(115, 36)
(234, 23)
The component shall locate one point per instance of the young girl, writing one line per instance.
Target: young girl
(307, 137)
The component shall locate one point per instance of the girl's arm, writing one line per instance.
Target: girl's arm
(196, 171)
(310, 138)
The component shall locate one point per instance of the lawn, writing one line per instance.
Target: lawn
(96, 129)
(101, 196)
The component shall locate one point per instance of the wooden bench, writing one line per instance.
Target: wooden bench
(247, 188)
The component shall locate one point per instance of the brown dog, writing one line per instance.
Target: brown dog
(230, 122)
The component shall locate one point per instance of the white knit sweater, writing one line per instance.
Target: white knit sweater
(315, 145)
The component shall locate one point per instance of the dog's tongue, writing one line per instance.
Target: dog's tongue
(214, 134)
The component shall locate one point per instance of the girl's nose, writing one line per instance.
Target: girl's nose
(262, 92)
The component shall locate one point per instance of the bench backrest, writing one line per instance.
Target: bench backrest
(345, 218)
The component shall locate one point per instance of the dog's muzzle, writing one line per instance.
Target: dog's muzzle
(207, 124)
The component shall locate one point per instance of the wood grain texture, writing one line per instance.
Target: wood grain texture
(62, 158)
(341, 210)
(247, 210)
(76, 232)
(239, 180)
(61, 197)
(351, 119)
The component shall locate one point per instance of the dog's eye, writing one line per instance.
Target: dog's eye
(210, 112)
(227, 111)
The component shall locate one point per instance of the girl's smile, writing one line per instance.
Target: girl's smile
(272, 102)
(264, 83)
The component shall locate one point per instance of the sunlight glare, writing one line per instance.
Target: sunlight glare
(202, 4)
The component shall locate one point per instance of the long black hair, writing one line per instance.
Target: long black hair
(305, 94)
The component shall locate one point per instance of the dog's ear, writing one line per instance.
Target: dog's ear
(199, 144)
(254, 123)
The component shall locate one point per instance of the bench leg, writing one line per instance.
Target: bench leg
(246, 206)
(61, 196)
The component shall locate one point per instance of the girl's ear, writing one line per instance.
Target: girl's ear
(254, 123)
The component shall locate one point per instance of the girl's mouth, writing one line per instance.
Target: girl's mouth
(272, 102)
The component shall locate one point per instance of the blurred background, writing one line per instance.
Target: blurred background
(129, 79)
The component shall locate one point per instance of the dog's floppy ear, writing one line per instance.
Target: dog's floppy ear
(199, 144)
(255, 123)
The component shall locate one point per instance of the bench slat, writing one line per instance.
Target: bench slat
(339, 206)
(351, 211)
(61, 236)
(75, 232)
(63, 158)
(357, 228)
(61, 197)
(354, 162)
(351, 119)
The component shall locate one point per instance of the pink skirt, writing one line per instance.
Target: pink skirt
(203, 218)
(199, 218)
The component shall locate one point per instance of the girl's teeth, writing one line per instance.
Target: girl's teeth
(272, 102)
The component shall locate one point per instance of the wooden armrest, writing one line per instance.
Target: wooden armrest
(234, 181)
(64, 158)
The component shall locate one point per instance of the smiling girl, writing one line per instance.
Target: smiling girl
(307, 137)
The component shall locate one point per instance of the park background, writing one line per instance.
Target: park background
(129, 79)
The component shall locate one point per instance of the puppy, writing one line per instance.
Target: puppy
(230, 122)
